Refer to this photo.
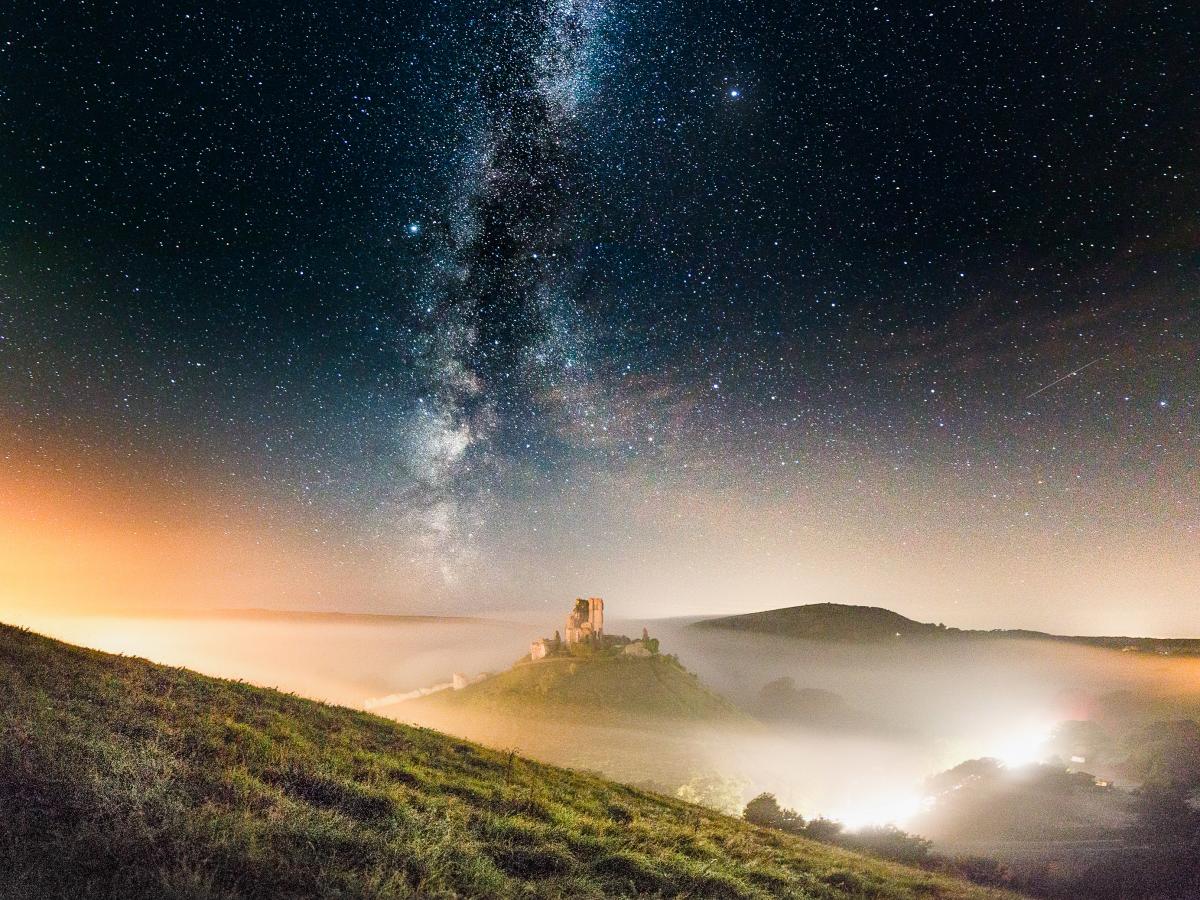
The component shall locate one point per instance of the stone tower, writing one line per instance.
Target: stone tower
(586, 621)
(596, 615)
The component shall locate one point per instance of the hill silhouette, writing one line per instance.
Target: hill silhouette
(827, 622)
(839, 622)
(121, 778)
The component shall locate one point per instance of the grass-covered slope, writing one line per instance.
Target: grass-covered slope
(601, 688)
(120, 778)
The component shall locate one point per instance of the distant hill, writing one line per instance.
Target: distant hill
(599, 689)
(826, 622)
(120, 778)
(837, 622)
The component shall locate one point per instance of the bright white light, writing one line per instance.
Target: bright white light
(414, 228)
(893, 809)
(1023, 745)
(734, 93)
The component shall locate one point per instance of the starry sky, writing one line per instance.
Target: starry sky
(701, 306)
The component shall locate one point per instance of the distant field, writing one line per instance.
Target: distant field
(120, 778)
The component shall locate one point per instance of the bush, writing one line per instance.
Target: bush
(823, 829)
(886, 841)
(765, 810)
(889, 842)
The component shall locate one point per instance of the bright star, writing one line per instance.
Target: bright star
(734, 93)
(414, 228)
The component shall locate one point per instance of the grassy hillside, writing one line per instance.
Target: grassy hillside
(120, 778)
(605, 687)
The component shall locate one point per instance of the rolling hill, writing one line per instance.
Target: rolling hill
(826, 622)
(604, 688)
(837, 622)
(121, 778)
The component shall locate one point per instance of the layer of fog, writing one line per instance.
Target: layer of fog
(929, 705)
(347, 662)
(933, 704)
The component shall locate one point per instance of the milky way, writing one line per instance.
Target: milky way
(503, 335)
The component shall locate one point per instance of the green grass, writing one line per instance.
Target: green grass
(609, 689)
(120, 778)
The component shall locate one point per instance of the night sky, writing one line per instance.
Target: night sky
(699, 306)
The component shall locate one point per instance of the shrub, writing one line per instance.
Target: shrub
(765, 810)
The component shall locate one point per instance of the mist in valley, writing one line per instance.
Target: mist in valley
(345, 661)
(856, 733)
(914, 709)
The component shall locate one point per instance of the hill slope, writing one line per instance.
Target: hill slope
(867, 624)
(826, 622)
(605, 688)
(123, 778)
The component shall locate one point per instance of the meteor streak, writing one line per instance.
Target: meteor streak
(1064, 378)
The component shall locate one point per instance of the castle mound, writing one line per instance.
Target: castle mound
(120, 778)
(583, 674)
(596, 688)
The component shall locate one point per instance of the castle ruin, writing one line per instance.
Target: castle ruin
(584, 624)
(585, 637)
(586, 620)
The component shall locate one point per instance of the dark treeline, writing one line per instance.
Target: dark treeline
(1158, 855)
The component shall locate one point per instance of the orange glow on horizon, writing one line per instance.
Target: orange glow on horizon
(81, 539)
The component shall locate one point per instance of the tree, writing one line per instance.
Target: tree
(1165, 754)
(1163, 816)
(823, 829)
(765, 810)
(889, 842)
